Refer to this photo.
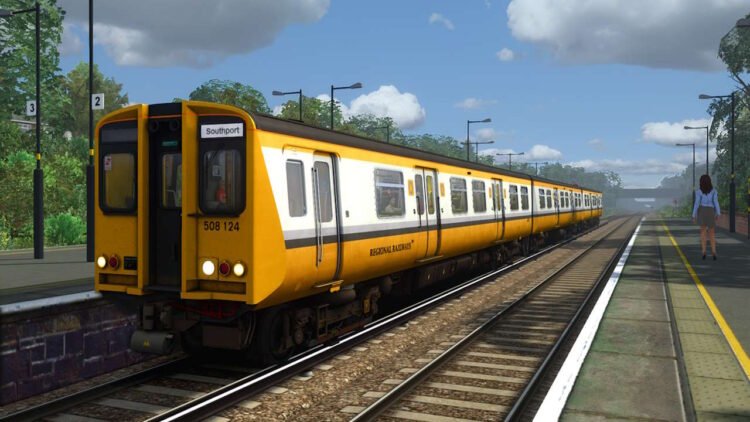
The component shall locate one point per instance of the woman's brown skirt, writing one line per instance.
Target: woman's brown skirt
(706, 217)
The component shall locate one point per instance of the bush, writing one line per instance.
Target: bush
(64, 229)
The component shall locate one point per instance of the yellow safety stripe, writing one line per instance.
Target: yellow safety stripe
(735, 345)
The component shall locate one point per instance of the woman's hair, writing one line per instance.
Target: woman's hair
(706, 185)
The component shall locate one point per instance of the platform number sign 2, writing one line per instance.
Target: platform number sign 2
(31, 108)
(97, 101)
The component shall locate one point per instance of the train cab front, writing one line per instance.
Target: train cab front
(172, 224)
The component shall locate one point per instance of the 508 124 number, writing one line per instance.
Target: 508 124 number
(215, 226)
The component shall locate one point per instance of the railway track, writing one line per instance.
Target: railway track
(492, 372)
(187, 389)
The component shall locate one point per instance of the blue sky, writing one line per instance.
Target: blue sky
(605, 85)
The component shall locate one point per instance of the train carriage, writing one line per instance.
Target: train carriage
(249, 232)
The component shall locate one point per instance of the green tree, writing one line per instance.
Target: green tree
(16, 205)
(315, 112)
(65, 187)
(233, 93)
(734, 51)
(18, 58)
(76, 88)
(370, 126)
(64, 229)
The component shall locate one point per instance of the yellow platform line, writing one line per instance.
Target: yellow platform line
(734, 344)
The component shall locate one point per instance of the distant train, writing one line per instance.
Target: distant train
(248, 232)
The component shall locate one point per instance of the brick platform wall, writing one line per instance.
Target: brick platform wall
(53, 347)
(740, 222)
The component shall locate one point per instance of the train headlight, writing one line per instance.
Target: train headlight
(208, 268)
(102, 261)
(238, 269)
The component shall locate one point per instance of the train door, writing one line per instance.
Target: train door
(326, 205)
(498, 205)
(557, 206)
(165, 235)
(427, 209)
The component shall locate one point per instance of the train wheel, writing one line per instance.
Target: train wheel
(272, 342)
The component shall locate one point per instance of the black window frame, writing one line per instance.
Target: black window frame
(465, 195)
(238, 143)
(118, 146)
(478, 192)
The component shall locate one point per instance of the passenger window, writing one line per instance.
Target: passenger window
(295, 188)
(171, 186)
(323, 186)
(420, 193)
(542, 203)
(119, 181)
(458, 195)
(430, 195)
(549, 199)
(222, 181)
(389, 193)
(513, 193)
(524, 197)
(479, 196)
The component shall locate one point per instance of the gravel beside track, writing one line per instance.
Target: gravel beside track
(351, 382)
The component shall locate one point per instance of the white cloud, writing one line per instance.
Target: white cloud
(493, 151)
(192, 33)
(542, 152)
(486, 134)
(666, 133)
(277, 110)
(474, 103)
(596, 144)
(440, 19)
(662, 34)
(71, 44)
(506, 55)
(387, 101)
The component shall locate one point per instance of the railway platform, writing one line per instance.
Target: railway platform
(673, 341)
(63, 271)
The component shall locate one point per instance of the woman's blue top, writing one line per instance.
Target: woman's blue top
(703, 200)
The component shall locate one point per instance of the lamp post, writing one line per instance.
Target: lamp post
(690, 145)
(279, 93)
(468, 144)
(732, 187)
(387, 133)
(536, 166)
(333, 88)
(509, 154)
(90, 238)
(476, 150)
(38, 173)
(701, 127)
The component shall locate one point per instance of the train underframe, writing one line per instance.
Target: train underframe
(273, 334)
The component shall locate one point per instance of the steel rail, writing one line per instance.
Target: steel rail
(522, 401)
(84, 396)
(224, 397)
(397, 393)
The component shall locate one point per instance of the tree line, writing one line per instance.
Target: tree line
(65, 130)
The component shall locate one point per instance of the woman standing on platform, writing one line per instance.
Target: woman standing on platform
(707, 211)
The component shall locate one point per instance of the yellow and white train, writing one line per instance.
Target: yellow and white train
(248, 232)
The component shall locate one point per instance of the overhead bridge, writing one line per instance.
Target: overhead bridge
(645, 199)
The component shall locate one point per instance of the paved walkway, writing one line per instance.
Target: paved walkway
(62, 271)
(673, 343)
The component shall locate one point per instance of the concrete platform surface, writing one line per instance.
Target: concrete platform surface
(673, 342)
(63, 270)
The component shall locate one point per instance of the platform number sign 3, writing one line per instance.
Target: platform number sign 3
(31, 108)
(97, 101)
